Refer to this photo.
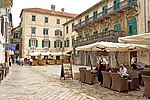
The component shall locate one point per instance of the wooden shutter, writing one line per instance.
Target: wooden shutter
(72, 41)
(60, 44)
(49, 44)
(148, 26)
(36, 43)
(55, 32)
(43, 43)
(134, 23)
(54, 44)
(29, 43)
(60, 33)
(65, 43)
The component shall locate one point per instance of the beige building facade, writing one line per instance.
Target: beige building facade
(106, 21)
(42, 30)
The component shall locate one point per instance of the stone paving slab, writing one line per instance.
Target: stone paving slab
(26, 83)
(95, 90)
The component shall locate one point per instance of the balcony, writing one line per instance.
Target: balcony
(16, 40)
(109, 36)
(46, 36)
(114, 9)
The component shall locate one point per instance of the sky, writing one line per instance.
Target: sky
(71, 6)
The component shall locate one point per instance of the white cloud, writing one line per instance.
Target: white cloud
(72, 6)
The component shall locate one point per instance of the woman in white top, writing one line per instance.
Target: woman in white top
(123, 70)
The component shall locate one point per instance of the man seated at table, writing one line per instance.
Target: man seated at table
(122, 70)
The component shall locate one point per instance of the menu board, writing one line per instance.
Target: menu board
(66, 71)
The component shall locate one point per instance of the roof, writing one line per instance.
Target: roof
(94, 6)
(46, 11)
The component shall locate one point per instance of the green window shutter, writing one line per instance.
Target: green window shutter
(49, 44)
(72, 41)
(60, 44)
(68, 43)
(60, 33)
(65, 43)
(94, 14)
(105, 30)
(36, 43)
(20, 31)
(116, 4)
(29, 43)
(10, 17)
(132, 26)
(54, 44)
(117, 27)
(43, 31)
(104, 10)
(43, 43)
(55, 33)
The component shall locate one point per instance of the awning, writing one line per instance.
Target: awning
(110, 46)
(37, 53)
(59, 54)
(143, 39)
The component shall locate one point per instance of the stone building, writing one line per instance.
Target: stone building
(106, 21)
(16, 33)
(5, 28)
(42, 30)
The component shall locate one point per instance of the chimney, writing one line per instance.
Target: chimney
(53, 8)
(62, 10)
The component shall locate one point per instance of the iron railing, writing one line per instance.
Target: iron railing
(122, 5)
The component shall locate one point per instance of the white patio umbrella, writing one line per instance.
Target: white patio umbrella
(143, 39)
(33, 53)
(108, 46)
(58, 54)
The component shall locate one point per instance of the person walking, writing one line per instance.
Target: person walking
(31, 60)
(10, 61)
(101, 67)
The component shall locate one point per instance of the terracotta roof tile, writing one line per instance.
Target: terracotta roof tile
(45, 11)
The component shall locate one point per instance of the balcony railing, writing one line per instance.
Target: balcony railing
(109, 36)
(16, 40)
(122, 5)
(46, 36)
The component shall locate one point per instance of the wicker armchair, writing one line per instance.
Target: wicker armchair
(118, 83)
(143, 72)
(106, 79)
(89, 77)
(134, 80)
(82, 74)
(147, 85)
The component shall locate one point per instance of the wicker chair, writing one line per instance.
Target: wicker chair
(143, 72)
(89, 77)
(106, 79)
(147, 85)
(118, 83)
(134, 80)
(82, 74)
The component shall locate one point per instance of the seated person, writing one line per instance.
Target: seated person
(122, 70)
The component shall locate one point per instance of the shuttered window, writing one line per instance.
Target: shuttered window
(116, 4)
(117, 27)
(73, 41)
(105, 30)
(132, 27)
(104, 10)
(94, 14)
(148, 26)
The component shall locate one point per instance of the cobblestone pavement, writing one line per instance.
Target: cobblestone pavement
(43, 83)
